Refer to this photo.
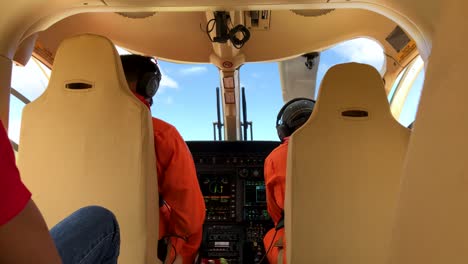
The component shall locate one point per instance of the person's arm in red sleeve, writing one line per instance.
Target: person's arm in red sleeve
(274, 172)
(24, 236)
(269, 172)
(178, 185)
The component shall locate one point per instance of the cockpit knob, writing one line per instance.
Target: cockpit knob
(255, 173)
(244, 173)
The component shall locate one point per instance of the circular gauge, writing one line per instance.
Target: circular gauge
(255, 173)
(244, 173)
(216, 188)
(224, 180)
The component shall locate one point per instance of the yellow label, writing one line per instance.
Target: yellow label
(406, 51)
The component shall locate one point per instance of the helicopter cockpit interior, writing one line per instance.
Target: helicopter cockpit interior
(361, 187)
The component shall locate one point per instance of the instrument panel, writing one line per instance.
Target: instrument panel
(231, 179)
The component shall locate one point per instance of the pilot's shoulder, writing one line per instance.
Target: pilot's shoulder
(162, 128)
(279, 152)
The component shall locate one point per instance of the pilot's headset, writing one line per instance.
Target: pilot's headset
(293, 115)
(148, 74)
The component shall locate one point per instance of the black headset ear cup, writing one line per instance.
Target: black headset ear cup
(282, 131)
(148, 84)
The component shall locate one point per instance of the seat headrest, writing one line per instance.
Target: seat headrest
(87, 63)
(354, 91)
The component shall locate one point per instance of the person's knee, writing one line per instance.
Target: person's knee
(88, 226)
(98, 214)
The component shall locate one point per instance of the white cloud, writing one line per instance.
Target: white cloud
(169, 100)
(168, 82)
(255, 75)
(29, 80)
(323, 68)
(362, 50)
(193, 70)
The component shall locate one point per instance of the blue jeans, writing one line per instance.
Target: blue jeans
(89, 235)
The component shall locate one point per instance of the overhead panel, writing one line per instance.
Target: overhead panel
(257, 20)
(402, 43)
(311, 12)
(398, 39)
(292, 32)
(177, 36)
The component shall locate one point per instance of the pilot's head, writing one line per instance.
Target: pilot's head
(142, 74)
(293, 115)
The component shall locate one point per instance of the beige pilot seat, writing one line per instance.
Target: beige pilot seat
(88, 141)
(344, 169)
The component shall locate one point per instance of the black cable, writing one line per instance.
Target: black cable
(230, 22)
(236, 42)
(209, 30)
(393, 59)
(168, 207)
(269, 248)
(172, 245)
(175, 254)
(176, 236)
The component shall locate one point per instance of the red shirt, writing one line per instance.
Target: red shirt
(184, 211)
(13, 194)
(275, 181)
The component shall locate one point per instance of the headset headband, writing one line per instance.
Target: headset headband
(280, 113)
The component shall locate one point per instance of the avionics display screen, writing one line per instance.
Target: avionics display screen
(260, 194)
(255, 193)
(215, 185)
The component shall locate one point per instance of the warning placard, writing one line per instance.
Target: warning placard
(230, 97)
(406, 51)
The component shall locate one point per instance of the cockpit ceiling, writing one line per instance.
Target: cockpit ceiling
(181, 36)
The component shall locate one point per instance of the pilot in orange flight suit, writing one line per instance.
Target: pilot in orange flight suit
(182, 207)
(291, 116)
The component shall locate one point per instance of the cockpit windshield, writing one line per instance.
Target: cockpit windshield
(187, 94)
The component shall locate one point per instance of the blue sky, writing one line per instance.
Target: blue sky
(408, 113)
(187, 99)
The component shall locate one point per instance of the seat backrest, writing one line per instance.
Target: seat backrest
(88, 141)
(344, 168)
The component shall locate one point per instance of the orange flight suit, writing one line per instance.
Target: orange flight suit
(275, 181)
(183, 213)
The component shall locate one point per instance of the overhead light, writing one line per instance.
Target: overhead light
(136, 15)
(312, 12)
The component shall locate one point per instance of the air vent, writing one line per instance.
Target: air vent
(78, 86)
(312, 12)
(398, 39)
(355, 113)
(136, 15)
